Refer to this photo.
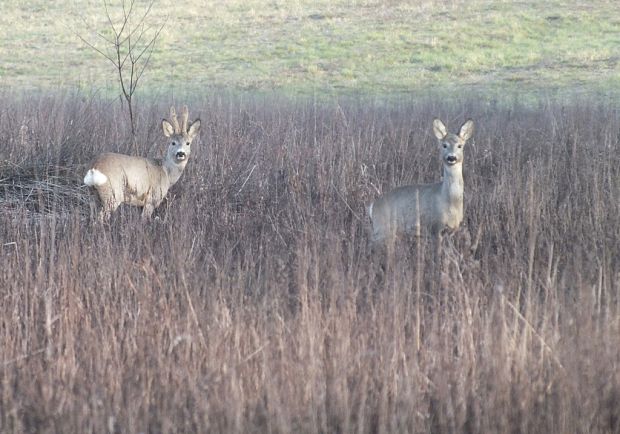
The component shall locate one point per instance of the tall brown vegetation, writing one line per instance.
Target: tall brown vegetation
(253, 303)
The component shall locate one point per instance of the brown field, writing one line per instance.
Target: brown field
(253, 304)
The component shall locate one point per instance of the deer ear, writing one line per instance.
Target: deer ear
(194, 128)
(467, 130)
(439, 129)
(167, 128)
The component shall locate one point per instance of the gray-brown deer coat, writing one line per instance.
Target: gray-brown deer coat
(410, 208)
(139, 181)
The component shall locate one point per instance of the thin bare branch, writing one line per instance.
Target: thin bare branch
(126, 17)
(125, 57)
(147, 12)
(140, 35)
(144, 66)
(132, 86)
(87, 24)
(141, 21)
(110, 21)
(101, 36)
(93, 47)
(150, 51)
(150, 44)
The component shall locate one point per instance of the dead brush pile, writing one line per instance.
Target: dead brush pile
(42, 189)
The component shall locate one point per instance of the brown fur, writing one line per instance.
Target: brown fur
(433, 206)
(140, 181)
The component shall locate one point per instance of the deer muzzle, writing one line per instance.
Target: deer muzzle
(451, 159)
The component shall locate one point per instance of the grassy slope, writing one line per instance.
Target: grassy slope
(341, 46)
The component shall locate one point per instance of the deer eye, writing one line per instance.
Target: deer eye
(187, 144)
(460, 146)
(445, 145)
(173, 143)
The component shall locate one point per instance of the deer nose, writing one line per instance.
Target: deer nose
(451, 159)
(181, 155)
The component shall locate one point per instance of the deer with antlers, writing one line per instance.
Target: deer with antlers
(140, 181)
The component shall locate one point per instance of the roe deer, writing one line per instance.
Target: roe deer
(142, 181)
(433, 206)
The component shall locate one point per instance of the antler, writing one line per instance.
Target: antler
(184, 117)
(174, 120)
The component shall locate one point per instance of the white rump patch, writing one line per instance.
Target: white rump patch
(94, 178)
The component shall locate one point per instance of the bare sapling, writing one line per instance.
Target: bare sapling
(128, 45)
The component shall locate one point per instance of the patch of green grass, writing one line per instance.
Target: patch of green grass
(330, 47)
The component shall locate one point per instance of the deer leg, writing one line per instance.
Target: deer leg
(147, 211)
(93, 206)
(108, 203)
(107, 209)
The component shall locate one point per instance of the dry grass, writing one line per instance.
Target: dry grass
(253, 304)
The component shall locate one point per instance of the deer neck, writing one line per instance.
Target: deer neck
(173, 170)
(452, 186)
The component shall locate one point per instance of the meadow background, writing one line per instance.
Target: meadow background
(253, 303)
(329, 47)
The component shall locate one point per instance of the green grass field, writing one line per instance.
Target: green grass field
(327, 47)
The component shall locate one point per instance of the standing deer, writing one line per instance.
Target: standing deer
(433, 206)
(140, 181)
